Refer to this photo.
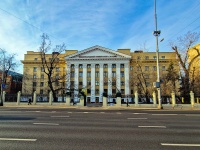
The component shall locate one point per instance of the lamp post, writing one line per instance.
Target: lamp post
(2, 79)
(156, 33)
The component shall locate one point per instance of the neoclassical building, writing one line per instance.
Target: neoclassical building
(97, 70)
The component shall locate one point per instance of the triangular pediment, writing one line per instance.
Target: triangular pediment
(97, 52)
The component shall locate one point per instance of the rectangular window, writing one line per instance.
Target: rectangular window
(163, 68)
(146, 68)
(146, 76)
(80, 74)
(89, 74)
(138, 57)
(72, 74)
(113, 65)
(41, 92)
(97, 91)
(34, 84)
(80, 66)
(113, 74)
(154, 68)
(105, 74)
(146, 57)
(122, 83)
(88, 82)
(80, 83)
(41, 84)
(35, 59)
(88, 91)
(72, 83)
(72, 66)
(122, 91)
(97, 74)
(42, 69)
(42, 76)
(35, 69)
(131, 67)
(34, 76)
(121, 65)
(122, 74)
(97, 66)
(114, 91)
(57, 76)
(154, 57)
(163, 57)
(97, 83)
(105, 66)
(88, 66)
(113, 83)
(57, 69)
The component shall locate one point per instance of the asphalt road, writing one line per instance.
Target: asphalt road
(98, 129)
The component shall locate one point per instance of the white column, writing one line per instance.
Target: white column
(101, 81)
(50, 98)
(84, 75)
(68, 75)
(76, 78)
(18, 97)
(67, 100)
(92, 82)
(34, 97)
(154, 97)
(109, 78)
(192, 98)
(126, 73)
(136, 97)
(118, 82)
(173, 99)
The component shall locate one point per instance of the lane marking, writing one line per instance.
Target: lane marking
(53, 124)
(139, 113)
(193, 115)
(60, 116)
(16, 139)
(118, 113)
(69, 112)
(170, 144)
(152, 126)
(102, 112)
(33, 111)
(85, 112)
(164, 114)
(136, 118)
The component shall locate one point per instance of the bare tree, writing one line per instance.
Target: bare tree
(182, 48)
(50, 63)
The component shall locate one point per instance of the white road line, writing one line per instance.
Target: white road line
(152, 126)
(33, 111)
(118, 113)
(139, 113)
(53, 124)
(136, 118)
(69, 112)
(85, 112)
(193, 115)
(60, 116)
(16, 139)
(170, 144)
(164, 114)
(102, 112)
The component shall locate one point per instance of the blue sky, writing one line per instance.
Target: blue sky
(81, 24)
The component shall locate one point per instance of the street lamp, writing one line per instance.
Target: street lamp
(156, 33)
(2, 79)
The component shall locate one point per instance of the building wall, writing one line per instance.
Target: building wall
(96, 74)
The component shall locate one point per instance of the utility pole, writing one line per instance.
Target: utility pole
(156, 33)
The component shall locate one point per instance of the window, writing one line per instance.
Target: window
(34, 84)
(105, 66)
(35, 69)
(41, 91)
(113, 83)
(88, 82)
(131, 67)
(80, 66)
(97, 74)
(72, 66)
(97, 83)
(146, 76)
(81, 74)
(57, 76)
(42, 69)
(88, 66)
(41, 84)
(113, 65)
(80, 83)
(122, 66)
(122, 73)
(122, 91)
(154, 57)
(97, 66)
(138, 57)
(57, 69)
(57, 83)
(72, 83)
(34, 76)
(97, 91)
(88, 91)
(113, 74)
(163, 68)
(163, 57)
(50, 59)
(138, 68)
(146, 57)
(105, 74)
(35, 59)
(146, 68)
(72, 74)
(42, 76)
(154, 68)
(122, 83)
(113, 91)
(88, 74)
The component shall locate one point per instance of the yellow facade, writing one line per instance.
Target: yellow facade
(145, 62)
